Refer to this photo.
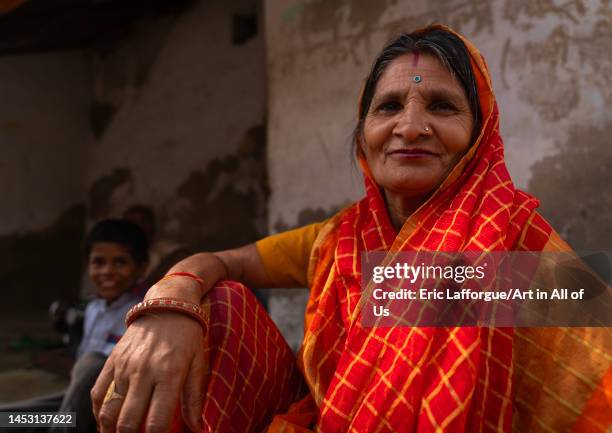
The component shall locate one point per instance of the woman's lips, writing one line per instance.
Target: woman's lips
(411, 153)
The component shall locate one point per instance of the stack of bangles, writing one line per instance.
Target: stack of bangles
(157, 305)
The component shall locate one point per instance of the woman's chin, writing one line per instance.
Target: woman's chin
(413, 188)
(412, 181)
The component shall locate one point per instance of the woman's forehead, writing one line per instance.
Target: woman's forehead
(420, 69)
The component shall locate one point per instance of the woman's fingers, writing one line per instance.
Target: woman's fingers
(111, 406)
(134, 409)
(149, 366)
(193, 391)
(98, 392)
(163, 402)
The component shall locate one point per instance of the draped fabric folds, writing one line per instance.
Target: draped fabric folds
(418, 379)
(252, 372)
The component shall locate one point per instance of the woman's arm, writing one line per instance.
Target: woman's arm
(241, 264)
(157, 356)
(160, 356)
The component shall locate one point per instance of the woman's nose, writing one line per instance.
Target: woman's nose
(410, 123)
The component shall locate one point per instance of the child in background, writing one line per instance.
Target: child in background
(117, 257)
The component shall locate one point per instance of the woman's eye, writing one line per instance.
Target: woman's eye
(443, 106)
(389, 107)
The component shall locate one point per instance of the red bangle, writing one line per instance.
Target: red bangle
(166, 304)
(186, 274)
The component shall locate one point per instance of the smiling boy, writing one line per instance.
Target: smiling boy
(117, 256)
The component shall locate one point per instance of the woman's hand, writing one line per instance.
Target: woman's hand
(161, 356)
(158, 359)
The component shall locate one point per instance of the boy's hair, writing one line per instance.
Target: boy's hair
(121, 232)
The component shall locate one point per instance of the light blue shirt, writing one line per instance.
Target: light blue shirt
(104, 324)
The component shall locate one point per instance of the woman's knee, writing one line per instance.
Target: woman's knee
(231, 292)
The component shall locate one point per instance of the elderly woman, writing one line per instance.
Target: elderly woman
(427, 140)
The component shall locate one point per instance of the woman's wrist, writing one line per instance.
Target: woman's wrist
(167, 304)
(191, 278)
(173, 288)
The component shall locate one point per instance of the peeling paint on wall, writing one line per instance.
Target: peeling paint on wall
(562, 62)
(121, 69)
(308, 216)
(328, 16)
(184, 94)
(225, 204)
(168, 98)
(44, 137)
(523, 13)
(39, 266)
(472, 16)
(574, 187)
(339, 29)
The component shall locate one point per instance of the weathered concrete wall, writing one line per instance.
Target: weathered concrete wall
(44, 109)
(179, 118)
(172, 116)
(44, 142)
(550, 63)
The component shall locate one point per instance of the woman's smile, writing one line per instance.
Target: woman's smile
(415, 153)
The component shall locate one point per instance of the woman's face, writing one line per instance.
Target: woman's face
(418, 126)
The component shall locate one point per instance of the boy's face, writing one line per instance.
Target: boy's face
(112, 269)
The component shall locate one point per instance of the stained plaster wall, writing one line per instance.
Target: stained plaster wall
(179, 118)
(172, 116)
(43, 137)
(550, 63)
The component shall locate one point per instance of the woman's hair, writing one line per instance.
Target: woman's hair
(121, 232)
(446, 47)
